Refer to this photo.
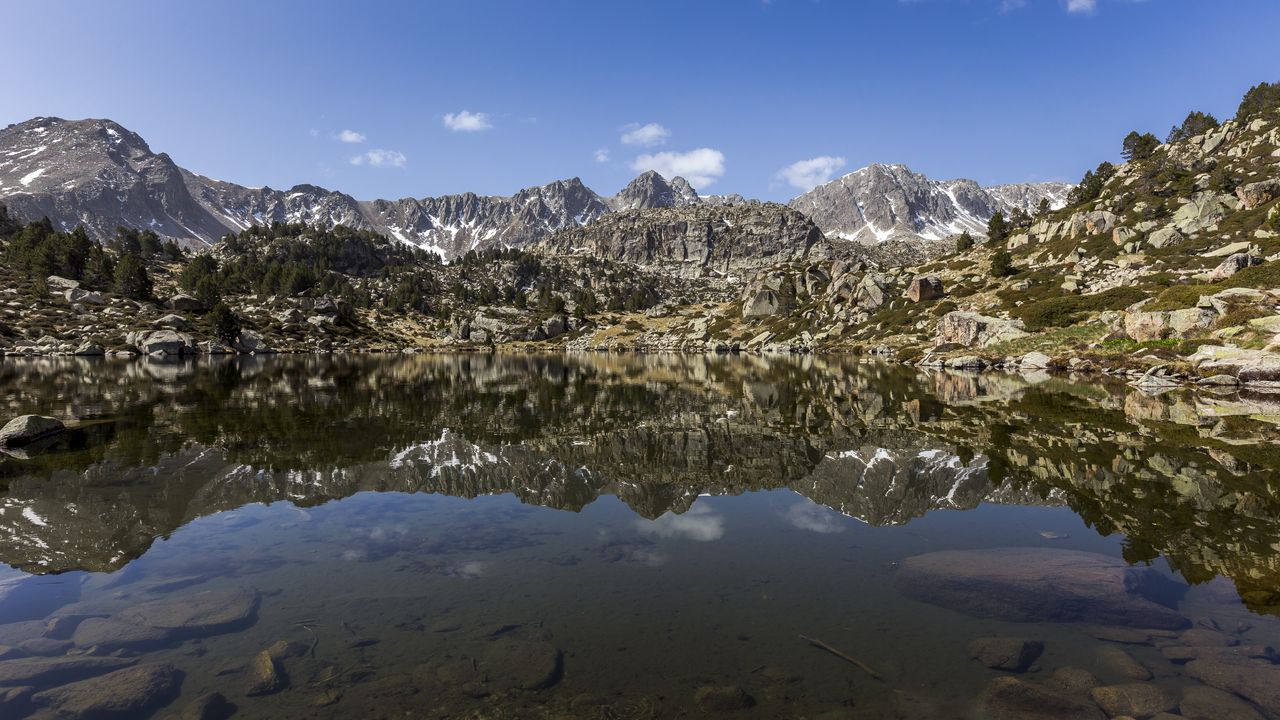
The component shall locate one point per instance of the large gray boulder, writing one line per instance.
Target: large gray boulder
(1257, 194)
(128, 693)
(1042, 585)
(162, 342)
(973, 330)
(27, 429)
(1231, 265)
(186, 303)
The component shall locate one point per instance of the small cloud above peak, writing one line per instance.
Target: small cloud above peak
(350, 136)
(701, 167)
(602, 155)
(646, 135)
(466, 121)
(808, 174)
(380, 158)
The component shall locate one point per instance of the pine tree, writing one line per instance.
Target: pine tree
(1261, 99)
(1196, 123)
(1138, 146)
(226, 325)
(1002, 264)
(132, 280)
(997, 228)
(964, 242)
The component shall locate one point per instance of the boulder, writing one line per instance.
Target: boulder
(1135, 700)
(172, 322)
(186, 303)
(47, 671)
(1035, 361)
(26, 429)
(762, 303)
(1257, 681)
(1202, 211)
(109, 635)
(88, 348)
(1042, 585)
(198, 614)
(162, 342)
(250, 341)
(970, 329)
(1159, 325)
(1008, 698)
(554, 326)
(1232, 265)
(265, 675)
(1163, 237)
(1257, 194)
(1116, 662)
(1200, 702)
(870, 294)
(923, 288)
(290, 316)
(129, 693)
(59, 284)
(84, 297)
(1001, 653)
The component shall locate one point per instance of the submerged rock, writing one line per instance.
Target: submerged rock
(45, 671)
(1118, 663)
(210, 706)
(265, 675)
(201, 613)
(722, 698)
(128, 693)
(29, 428)
(1008, 698)
(1136, 700)
(1200, 702)
(1012, 654)
(108, 635)
(1041, 585)
(1257, 681)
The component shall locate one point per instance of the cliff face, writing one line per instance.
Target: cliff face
(696, 240)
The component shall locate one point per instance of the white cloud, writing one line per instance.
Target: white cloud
(313, 132)
(602, 155)
(467, 121)
(810, 516)
(380, 158)
(1011, 5)
(645, 135)
(350, 136)
(1082, 6)
(700, 523)
(807, 174)
(700, 167)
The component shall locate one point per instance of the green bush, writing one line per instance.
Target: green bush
(1070, 309)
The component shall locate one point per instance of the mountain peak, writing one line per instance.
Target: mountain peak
(890, 201)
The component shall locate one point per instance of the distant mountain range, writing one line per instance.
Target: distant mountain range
(883, 202)
(99, 174)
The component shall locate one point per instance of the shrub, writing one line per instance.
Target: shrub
(1070, 309)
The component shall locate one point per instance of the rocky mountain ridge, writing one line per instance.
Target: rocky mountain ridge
(885, 202)
(99, 174)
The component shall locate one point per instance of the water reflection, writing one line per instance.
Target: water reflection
(709, 492)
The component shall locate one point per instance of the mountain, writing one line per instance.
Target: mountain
(882, 202)
(99, 174)
(696, 240)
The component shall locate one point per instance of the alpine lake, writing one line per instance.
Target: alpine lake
(633, 536)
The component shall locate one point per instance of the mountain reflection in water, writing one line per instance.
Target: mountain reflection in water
(1191, 478)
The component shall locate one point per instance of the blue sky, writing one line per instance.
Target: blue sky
(486, 96)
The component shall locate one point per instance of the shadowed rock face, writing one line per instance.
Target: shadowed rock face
(163, 443)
